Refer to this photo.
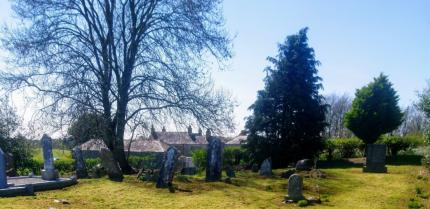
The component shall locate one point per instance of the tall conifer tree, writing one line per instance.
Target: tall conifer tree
(289, 114)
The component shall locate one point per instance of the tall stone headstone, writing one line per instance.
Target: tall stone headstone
(214, 159)
(266, 167)
(48, 171)
(375, 158)
(295, 188)
(81, 168)
(110, 165)
(168, 168)
(3, 177)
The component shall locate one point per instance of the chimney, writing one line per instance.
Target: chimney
(190, 130)
(208, 134)
(153, 133)
(163, 129)
(200, 132)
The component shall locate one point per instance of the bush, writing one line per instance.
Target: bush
(19, 147)
(396, 144)
(199, 158)
(233, 155)
(302, 203)
(345, 147)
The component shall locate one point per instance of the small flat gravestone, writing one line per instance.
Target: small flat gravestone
(3, 177)
(295, 189)
(375, 158)
(266, 167)
(48, 171)
(304, 165)
(214, 159)
(229, 171)
(168, 169)
(110, 165)
(81, 168)
(188, 166)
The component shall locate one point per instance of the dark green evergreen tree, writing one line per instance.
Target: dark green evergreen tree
(375, 110)
(289, 114)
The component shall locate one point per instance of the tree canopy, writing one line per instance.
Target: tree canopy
(128, 60)
(424, 100)
(375, 110)
(289, 114)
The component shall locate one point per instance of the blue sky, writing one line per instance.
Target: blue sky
(354, 40)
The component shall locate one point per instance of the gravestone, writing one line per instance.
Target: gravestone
(48, 171)
(304, 165)
(167, 171)
(266, 167)
(188, 168)
(214, 159)
(81, 169)
(375, 158)
(10, 165)
(110, 165)
(229, 171)
(3, 177)
(295, 188)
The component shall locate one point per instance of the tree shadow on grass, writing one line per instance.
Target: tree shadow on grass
(342, 163)
(404, 160)
(359, 162)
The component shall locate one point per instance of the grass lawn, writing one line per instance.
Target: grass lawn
(58, 153)
(343, 188)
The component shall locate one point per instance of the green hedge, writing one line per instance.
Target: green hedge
(231, 156)
(395, 144)
(337, 148)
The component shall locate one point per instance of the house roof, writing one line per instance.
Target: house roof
(137, 145)
(238, 140)
(180, 138)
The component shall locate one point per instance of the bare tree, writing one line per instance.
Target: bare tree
(414, 121)
(338, 106)
(121, 59)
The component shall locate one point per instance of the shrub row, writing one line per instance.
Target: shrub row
(337, 148)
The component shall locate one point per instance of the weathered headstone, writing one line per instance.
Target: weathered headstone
(81, 168)
(266, 167)
(229, 171)
(110, 165)
(214, 159)
(304, 165)
(3, 177)
(48, 171)
(10, 165)
(168, 169)
(375, 158)
(295, 188)
(188, 168)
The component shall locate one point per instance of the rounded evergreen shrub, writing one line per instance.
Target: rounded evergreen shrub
(302, 203)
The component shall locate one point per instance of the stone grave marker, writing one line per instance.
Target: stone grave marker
(375, 158)
(295, 188)
(266, 167)
(214, 160)
(48, 171)
(189, 168)
(3, 177)
(167, 171)
(81, 168)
